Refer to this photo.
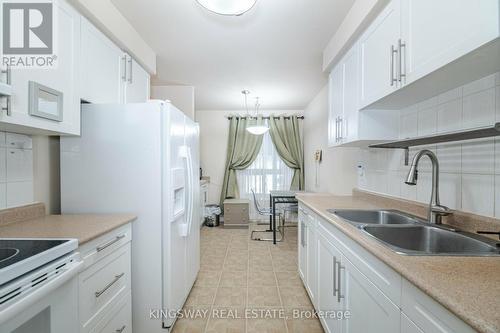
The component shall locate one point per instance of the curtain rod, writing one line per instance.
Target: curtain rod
(266, 118)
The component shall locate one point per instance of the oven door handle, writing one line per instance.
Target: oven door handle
(38, 294)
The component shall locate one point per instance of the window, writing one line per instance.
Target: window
(268, 172)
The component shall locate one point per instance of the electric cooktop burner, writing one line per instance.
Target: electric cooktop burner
(20, 249)
(19, 256)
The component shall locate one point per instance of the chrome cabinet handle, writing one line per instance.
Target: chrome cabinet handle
(124, 72)
(305, 238)
(393, 79)
(120, 330)
(130, 69)
(334, 276)
(7, 108)
(341, 128)
(103, 290)
(111, 242)
(339, 295)
(401, 45)
(8, 79)
(337, 129)
(8, 74)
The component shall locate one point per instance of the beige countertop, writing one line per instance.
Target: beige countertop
(467, 286)
(83, 227)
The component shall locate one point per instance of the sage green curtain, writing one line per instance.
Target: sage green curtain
(242, 149)
(285, 133)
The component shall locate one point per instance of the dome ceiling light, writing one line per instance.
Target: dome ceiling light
(228, 7)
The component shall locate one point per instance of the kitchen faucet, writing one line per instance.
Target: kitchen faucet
(436, 210)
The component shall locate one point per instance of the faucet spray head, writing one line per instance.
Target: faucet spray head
(412, 177)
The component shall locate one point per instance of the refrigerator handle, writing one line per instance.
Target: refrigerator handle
(186, 154)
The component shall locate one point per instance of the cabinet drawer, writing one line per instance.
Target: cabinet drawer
(119, 319)
(427, 314)
(101, 285)
(103, 246)
(381, 275)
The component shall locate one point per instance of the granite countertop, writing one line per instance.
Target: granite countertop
(84, 227)
(467, 286)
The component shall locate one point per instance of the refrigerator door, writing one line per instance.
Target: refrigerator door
(193, 237)
(176, 200)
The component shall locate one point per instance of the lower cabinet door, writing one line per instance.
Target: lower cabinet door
(312, 258)
(327, 301)
(370, 310)
(407, 326)
(302, 245)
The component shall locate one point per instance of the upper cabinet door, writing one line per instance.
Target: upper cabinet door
(336, 105)
(351, 107)
(378, 48)
(435, 33)
(137, 82)
(103, 67)
(64, 78)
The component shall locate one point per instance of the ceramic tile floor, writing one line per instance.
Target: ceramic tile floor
(246, 286)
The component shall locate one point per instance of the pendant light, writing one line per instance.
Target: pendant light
(228, 7)
(254, 129)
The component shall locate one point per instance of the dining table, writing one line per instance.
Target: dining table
(280, 197)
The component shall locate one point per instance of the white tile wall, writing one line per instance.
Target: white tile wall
(16, 169)
(469, 172)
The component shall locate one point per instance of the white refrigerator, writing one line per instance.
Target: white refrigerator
(141, 159)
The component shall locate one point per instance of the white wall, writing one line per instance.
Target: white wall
(337, 172)
(214, 130)
(180, 96)
(470, 172)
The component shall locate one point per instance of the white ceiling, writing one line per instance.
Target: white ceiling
(275, 50)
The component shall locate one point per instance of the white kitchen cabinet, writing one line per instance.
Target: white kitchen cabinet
(407, 326)
(104, 294)
(428, 315)
(437, 32)
(327, 299)
(349, 278)
(302, 249)
(349, 126)
(378, 55)
(102, 67)
(370, 309)
(64, 78)
(350, 119)
(336, 105)
(136, 82)
(119, 321)
(312, 257)
(108, 74)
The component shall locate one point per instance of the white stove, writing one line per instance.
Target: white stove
(38, 286)
(20, 256)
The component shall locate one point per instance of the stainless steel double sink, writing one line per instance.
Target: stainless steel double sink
(410, 235)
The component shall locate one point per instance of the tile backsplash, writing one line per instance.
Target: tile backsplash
(16, 169)
(469, 171)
